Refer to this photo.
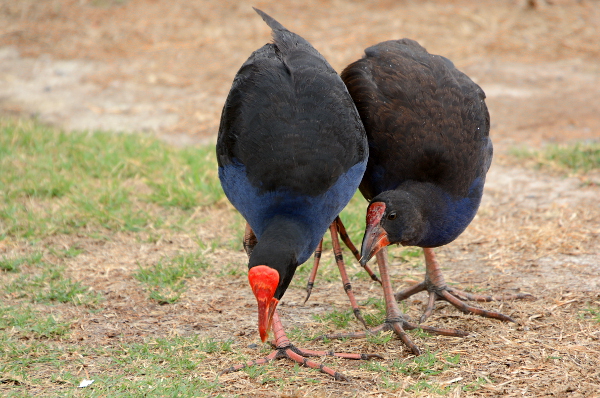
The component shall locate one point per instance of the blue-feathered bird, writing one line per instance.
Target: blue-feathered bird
(429, 151)
(291, 153)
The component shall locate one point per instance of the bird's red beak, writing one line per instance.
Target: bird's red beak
(375, 237)
(264, 281)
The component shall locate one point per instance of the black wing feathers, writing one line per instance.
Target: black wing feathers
(287, 95)
(428, 121)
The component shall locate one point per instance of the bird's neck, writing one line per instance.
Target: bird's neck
(279, 247)
(445, 216)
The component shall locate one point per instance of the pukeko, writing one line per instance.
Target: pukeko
(429, 151)
(291, 153)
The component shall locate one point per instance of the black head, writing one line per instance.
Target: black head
(272, 265)
(392, 217)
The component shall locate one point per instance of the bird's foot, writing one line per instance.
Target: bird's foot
(399, 326)
(301, 356)
(437, 288)
(285, 349)
(457, 298)
(394, 318)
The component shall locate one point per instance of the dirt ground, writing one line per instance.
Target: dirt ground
(166, 68)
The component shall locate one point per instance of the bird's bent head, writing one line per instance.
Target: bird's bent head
(393, 217)
(375, 237)
(264, 281)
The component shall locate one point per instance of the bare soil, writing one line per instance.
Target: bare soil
(166, 68)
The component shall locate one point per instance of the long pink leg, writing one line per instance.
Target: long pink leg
(313, 272)
(346, 239)
(285, 349)
(435, 284)
(394, 318)
(352, 248)
(339, 259)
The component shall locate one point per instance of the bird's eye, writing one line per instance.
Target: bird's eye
(392, 216)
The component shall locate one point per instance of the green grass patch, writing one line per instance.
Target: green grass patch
(165, 280)
(255, 371)
(577, 158)
(174, 351)
(25, 322)
(374, 315)
(381, 338)
(70, 252)
(429, 363)
(340, 319)
(590, 313)
(476, 385)
(423, 367)
(8, 264)
(420, 333)
(50, 285)
(157, 367)
(300, 335)
(430, 387)
(58, 182)
(373, 312)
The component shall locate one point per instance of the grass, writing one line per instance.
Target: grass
(373, 311)
(590, 313)
(340, 319)
(25, 322)
(476, 385)
(375, 315)
(14, 264)
(159, 367)
(54, 182)
(46, 283)
(98, 187)
(573, 158)
(93, 184)
(165, 280)
(423, 368)
(381, 338)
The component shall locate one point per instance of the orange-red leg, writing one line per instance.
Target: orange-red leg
(337, 227)
(339, 259)
(394, 318)
(313, 272)
(346, 239)
(435, 284)
(352, 248)
(285, 349)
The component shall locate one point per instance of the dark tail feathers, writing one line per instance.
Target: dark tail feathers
(287, 41)
(273, 24)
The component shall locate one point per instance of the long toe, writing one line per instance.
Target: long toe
(301, 356)
(399, 326)
(437, 288)
(285, 349)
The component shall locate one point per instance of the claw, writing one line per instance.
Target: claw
(313, 272)
(438, 290)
